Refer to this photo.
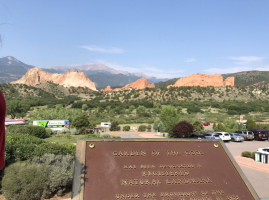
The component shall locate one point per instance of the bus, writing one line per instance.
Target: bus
(54, 125)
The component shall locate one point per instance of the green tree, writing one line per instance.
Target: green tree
(84, 107)
(198, 127)
(251, 124)
(14, 108)
(169, 118)
(214, 125)
(158, 126)
(82, 121)
(141, 110)
(220, 127)
(115, 126)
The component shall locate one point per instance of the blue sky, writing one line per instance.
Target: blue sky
(161, 38)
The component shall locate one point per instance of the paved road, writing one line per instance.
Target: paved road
(258, 179)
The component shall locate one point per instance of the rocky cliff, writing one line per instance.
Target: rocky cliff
(107, 89)
(137, 85)
(204, 80)
(72, 78)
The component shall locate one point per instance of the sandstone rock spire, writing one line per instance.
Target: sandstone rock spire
(72, 78)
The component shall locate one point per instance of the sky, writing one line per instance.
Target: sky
(160, 38)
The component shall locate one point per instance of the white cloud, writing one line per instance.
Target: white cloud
(149, 71)
(246, 59)
(190, 60)
(98, 49)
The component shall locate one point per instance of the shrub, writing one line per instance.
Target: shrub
(142, 128)
(24, 147)
(246, 154)
(182, 129)
(54, 148)
(43, 177)
(37, 131)
(149, 128)
(253, 155)
(59, 171)
(126, 128)
(24, 181)
(116, 137)
(20, 147)
(107, 136)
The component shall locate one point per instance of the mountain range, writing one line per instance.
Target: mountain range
(12, 69)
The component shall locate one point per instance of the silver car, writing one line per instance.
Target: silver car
(236, 137)
(248, 135)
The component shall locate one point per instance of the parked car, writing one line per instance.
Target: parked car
(212, 136)
(198, 136)
(225, 136)
(260, 134)
(206, 123)
(248, 135)
(236, 137)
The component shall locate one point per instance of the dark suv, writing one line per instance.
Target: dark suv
(260, 134)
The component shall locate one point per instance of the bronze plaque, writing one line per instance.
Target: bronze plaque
(162, 170)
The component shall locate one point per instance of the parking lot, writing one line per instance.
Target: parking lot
(257, 178)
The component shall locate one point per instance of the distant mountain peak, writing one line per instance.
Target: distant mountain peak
(10, 60)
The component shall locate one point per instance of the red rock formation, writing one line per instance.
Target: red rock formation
(72, 78)
(229, 81)
(107, 89)
(203, 80)
(139, 84)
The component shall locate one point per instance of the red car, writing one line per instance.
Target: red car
(206, 123)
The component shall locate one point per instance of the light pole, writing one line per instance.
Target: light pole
(239, 122)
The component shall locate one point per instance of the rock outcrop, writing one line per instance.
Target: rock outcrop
(140, 84)
(204, 80)
(72, 78)
(107, 89)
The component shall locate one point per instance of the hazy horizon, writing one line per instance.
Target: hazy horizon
(163, 39)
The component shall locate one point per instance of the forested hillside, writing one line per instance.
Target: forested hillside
(131, 106)
(249, 78)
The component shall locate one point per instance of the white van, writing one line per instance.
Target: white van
(106, 124)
